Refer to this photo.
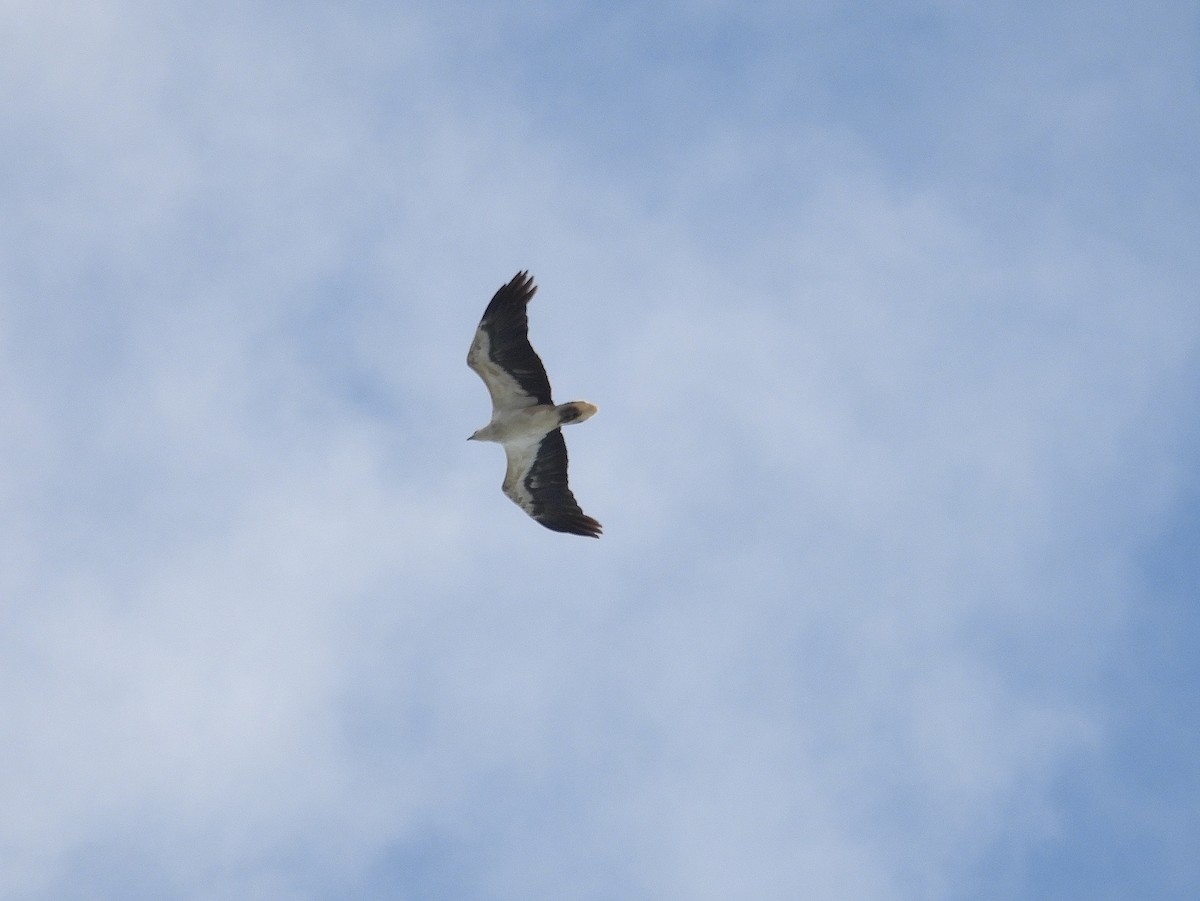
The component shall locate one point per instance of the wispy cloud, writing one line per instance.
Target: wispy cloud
(890, 416)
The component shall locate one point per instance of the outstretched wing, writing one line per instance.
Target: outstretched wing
(537, 481)
(501, 352)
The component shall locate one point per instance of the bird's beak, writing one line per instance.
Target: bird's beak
(470, 437)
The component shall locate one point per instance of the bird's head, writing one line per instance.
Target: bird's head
(484, 434)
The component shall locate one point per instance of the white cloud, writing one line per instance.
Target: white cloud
(873, 462)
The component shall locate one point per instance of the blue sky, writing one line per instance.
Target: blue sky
(890, 311)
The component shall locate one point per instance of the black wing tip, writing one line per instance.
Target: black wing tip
(571, 523)
(506, 309)
(520, 287)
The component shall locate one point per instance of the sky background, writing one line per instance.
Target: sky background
(891, 313)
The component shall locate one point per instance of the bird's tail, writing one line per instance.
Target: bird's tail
(575, 411)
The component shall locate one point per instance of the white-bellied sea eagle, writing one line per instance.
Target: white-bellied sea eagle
(524, 418)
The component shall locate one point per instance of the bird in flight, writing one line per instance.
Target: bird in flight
(524, 418)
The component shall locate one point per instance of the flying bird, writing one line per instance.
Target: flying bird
(524, 417)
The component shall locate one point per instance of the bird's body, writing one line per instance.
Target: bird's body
(517, 426)
(525, 419)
